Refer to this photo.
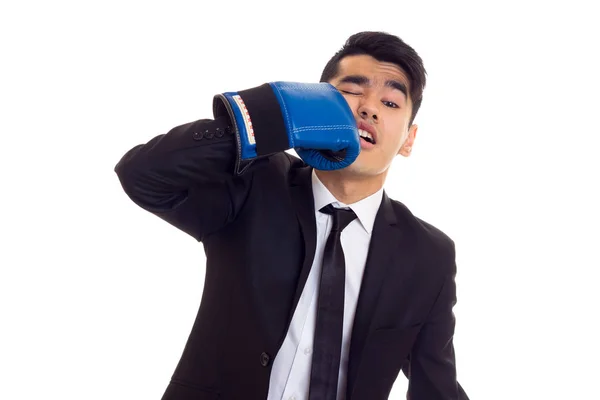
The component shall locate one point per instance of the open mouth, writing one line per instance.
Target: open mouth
(366, 136)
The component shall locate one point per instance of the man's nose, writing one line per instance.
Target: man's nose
(368, 113)
(367, 108)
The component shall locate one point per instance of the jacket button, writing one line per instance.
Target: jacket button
(264, 359)
(198, 135)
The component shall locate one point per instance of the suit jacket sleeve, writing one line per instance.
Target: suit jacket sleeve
(431, 368)
(191, 176)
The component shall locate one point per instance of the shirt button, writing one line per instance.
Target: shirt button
(307, 351)
(264, 359)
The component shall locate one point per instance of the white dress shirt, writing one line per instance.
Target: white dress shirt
(290, 375)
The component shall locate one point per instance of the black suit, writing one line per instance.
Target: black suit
(259, 235)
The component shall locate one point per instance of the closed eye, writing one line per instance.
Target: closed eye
(352, 93)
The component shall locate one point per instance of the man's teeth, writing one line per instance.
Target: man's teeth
(366, 135)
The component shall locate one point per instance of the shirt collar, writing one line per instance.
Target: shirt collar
(365, 209)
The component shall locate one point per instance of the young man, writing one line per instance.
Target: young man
(318, 286)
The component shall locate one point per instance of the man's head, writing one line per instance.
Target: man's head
(382, 79)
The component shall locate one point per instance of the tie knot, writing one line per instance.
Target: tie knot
(341, 217)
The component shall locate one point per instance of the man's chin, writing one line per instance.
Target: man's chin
(357, 168)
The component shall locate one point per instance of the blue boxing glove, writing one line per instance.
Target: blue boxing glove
(312, 118)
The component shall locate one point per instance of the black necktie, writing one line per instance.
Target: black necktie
(330, 311)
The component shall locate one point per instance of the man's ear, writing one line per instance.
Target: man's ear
(407, 146)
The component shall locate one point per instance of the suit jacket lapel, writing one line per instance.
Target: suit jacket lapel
(390, 238)
(303, 200)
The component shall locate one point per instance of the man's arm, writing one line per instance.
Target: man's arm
(431, 368)
(198, 175)
(186, 176)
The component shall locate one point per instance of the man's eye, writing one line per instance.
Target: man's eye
(347, 92)
(391, 104)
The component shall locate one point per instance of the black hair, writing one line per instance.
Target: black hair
(384, 47)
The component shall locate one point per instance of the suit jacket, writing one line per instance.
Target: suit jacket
(257, 224)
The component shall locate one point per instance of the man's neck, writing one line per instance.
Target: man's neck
(350, 189)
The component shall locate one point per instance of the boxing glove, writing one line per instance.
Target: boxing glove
(312, 118)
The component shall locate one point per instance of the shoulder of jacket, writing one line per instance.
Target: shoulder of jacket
(428, 235)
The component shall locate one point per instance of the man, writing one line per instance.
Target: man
(318, 286)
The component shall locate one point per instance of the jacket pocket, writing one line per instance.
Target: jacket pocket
(181, 390)
(395, 341)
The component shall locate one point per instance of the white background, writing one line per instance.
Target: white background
(97, 296)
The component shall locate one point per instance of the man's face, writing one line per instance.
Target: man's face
(378, 94)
